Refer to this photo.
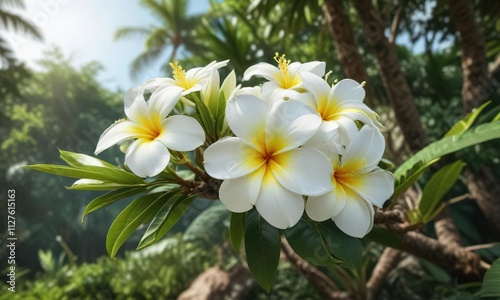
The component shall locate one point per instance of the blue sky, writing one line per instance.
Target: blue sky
(84, 29)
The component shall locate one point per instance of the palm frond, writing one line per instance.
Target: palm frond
(12, 3)
(144, 60)
(131, 32)
(17, 23)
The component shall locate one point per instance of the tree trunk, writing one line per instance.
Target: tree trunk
(477, 86)
(347, 50)
(393, 79)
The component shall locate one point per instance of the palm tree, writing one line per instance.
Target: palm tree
(174, 32)
(12, 21)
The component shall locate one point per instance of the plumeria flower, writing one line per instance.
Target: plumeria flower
(263, 165)
(284, 79)
(357, 183)
(339, 106)
(154, 134)
(186, 82)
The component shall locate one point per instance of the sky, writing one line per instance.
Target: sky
(84, 30)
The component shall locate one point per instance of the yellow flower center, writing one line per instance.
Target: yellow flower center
(180, 76)
(286, 81)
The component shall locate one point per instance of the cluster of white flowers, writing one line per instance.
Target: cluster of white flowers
(296, 144)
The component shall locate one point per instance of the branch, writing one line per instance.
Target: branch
(395, 23)
(318, 279)
(446, 230)
(463, 264)
(390, 257)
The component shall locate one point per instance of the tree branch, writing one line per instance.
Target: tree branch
(389, 259)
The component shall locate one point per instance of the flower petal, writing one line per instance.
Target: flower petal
(240, 194)
(265, 70)
(163, 100)
(356, 219)
(325, 133)
(376, 186)
(315, 67)
(117, 133)
(364, 152)
(303, 171)
(316, 86)
(277, 205)
(247, 116)
(291, 123)
(136, 108)
(231, 158)
(347, 129)
(327, 206)
(181, 133)
(147, 158)
(348, 90)
(154, 83)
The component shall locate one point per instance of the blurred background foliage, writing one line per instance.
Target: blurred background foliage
(61, 106)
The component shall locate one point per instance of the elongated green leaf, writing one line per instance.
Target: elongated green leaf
(439, 184)
(169, 214)
(141, 210)
(491, 281)
(89, 172)
(479, 134)
(99, 185)
(343, 246)
(236, 230)
(405, 183)
(262, 247)
(306, 240)
(206, 117)
(464, 124)
(81, 160)
(385, 237)
(209, 226)
(109, 198)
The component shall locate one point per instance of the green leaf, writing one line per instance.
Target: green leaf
(464, 124)
(385, 237)
(81, 160)
(90, 172)
(169, 214)
(496, 118)
(99, 185)
(109, 198)
(141, 210)
(262, 248)
(491, 281)
(343, 246)
(479, 134)
(439, 184)
(206, 118)
(209, 226)
(236, 230)
(405, 183)
(386, 164)
(307, 241)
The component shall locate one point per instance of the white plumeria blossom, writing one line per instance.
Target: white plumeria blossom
(186, 82)
(285, 79)
(339, 106)
(155, 134)
(264, 165)
(357, 183)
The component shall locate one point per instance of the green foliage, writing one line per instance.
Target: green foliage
(435, 189)
(209, 226)
(262, 248)
(159, 273)
(491, 281)
(236, 230)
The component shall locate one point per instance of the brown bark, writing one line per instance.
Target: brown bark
(347, 51)
(215, 283)
(446, 230)
(318, 279)
(475, 88)
(389, 259)
(393, 79)
(485, 189)
(463, 264)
